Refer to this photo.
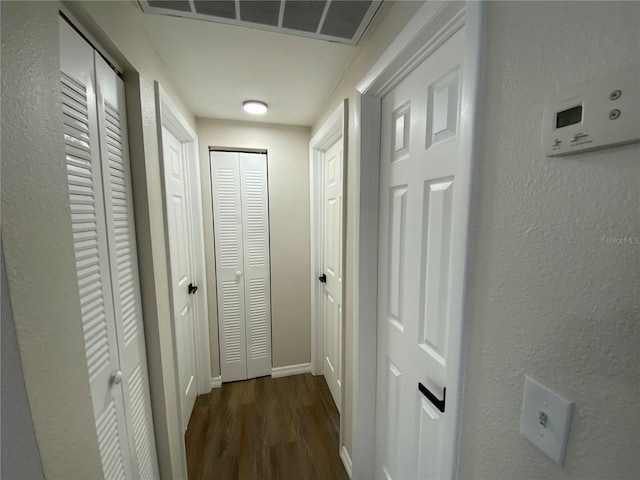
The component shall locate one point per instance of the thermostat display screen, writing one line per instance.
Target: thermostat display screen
(568, 117)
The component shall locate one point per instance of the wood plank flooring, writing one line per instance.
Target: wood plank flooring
(265, 428)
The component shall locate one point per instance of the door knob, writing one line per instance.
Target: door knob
(192, 288)
(116, 377)
(238, 273)
(323, 278)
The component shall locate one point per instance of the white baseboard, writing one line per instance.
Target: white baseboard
(346, 460)
(290, 370)
(216, 382)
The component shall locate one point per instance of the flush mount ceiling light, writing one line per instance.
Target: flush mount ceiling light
(255, 107)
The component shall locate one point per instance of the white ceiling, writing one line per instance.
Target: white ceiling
(217, 66)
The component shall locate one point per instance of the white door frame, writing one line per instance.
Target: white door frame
(325, 137)
(172, 119)
(334, 128)
(429, 28)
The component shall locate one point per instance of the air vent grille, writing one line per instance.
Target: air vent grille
(344, 18)
(219, 8)
(343, 21)
(263, 12)
(303, 15)
(179, 5)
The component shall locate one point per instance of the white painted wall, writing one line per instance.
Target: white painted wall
(38, 246)
(20, 455)
(547, 298)
(288, 172)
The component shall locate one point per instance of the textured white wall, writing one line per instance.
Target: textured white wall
(288, 171)
(20, 455)
(547, 298)
(38, 244)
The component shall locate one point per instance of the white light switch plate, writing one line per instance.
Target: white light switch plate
(538, 402)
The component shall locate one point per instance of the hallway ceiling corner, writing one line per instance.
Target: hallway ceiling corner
(216, 66)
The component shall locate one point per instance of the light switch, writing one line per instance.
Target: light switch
(546, 419)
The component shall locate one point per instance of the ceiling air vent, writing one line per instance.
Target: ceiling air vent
(343, 21)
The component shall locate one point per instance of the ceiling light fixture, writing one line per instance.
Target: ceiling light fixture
(255, 107)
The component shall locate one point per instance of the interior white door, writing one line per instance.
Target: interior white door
(227, 221)
(118, 195)
(422, 226)
(241, 234)
(256, 278)
(97, 160)
(176, 173)
(332, 260)
(82, 155)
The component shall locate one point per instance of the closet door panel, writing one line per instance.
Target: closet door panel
(124, 268)
(82, 158)
(227, 214)
(257, 285)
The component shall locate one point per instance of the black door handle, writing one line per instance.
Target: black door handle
(192, 288)
(323, 278)
(439, 404)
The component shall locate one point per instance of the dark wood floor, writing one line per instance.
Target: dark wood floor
(265, 428)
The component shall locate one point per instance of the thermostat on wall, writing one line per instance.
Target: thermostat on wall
(601, 114)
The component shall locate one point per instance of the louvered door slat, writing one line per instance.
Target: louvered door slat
(109, 443)
(227, 217)
(143, 440)
(88, 222)
(255, 215)
(124, 270)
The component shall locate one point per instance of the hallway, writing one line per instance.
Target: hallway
(265, 428)
(484, 230)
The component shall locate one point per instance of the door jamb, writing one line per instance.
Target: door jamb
(326, 136)
(170, 117)
(429, 28)
(334, 128)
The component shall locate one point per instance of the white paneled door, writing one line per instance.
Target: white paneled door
(332, 273)
(241, 233)
(100, 198)
(184, 289)
(422, 225)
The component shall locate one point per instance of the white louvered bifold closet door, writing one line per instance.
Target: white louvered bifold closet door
(227, 217)
(120, 399)
(82, 150)
(116, 180)
(257, 285)
(241, 233)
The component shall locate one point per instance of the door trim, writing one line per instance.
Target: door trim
(324, 138)
(429, 28)
(172, 119)
(334, 128)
